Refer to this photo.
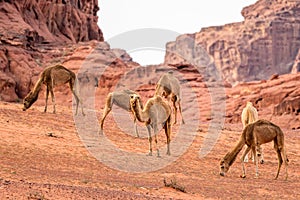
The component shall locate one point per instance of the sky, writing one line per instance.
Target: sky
(143, 27)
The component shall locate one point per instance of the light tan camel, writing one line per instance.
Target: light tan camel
(254, 135)
(250, 115)
(168, 86)
(155, 113)
(121, 99)
(51, 77)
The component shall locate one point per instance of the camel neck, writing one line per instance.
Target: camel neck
(139, 112)
(231, 156)
(37, 87)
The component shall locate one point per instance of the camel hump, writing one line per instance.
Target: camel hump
(171, 72)
(127, 91)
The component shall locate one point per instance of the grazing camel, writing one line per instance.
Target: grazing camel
(168, 86)
(155, 113)
(254, 135)
(250, 115)
(51, 77)
(121, 99)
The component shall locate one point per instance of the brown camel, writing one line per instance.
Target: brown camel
(121, 99)
(168, 86)
(155, 113)
(250, 115)
(254, 135)
(51, 77)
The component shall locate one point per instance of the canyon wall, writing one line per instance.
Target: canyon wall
(265, 43)
(38, 33)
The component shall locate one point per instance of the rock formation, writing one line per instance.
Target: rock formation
(265, 43)
(35, 34)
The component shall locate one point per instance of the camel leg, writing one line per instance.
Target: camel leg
(286, 160)
(278, 151)
(281, 154)
(243, 161)
(135, 127)
(175, 108)
(168, 134)
(105, 113)
(254, 153)
(107, 109)
(53, 99)
(156, 143)
(47, 94)
(150, 139)
(260, 155)
(78, 101)
(246, 155)
(251, 157)
(155, 128)
(179, 105)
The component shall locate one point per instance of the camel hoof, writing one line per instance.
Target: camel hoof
(243, 176)
(149, 154)
(222, 174)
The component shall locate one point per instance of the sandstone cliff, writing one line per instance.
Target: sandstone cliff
(265, 43)
(35, 34)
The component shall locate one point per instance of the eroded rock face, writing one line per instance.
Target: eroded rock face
(35, 34)
(266, 43)
(49, 21)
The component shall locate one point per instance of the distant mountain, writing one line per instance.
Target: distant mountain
(267, 42)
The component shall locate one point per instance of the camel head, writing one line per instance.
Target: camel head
(249, 103)
(224, 167)
(29, 100)
(133, 100)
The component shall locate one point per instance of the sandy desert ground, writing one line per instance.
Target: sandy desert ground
(43, 156)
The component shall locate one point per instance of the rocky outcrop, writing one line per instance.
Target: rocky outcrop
(276, 100)
(265, 43)
(35, 34)
(29, 22)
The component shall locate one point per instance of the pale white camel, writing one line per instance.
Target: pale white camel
(122, 100)
(250, 115)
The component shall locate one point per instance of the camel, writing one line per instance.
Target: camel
(168, 86)
(121, 99)
(156, 112)
(52, 76)
(254, 135)
(250, 115)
